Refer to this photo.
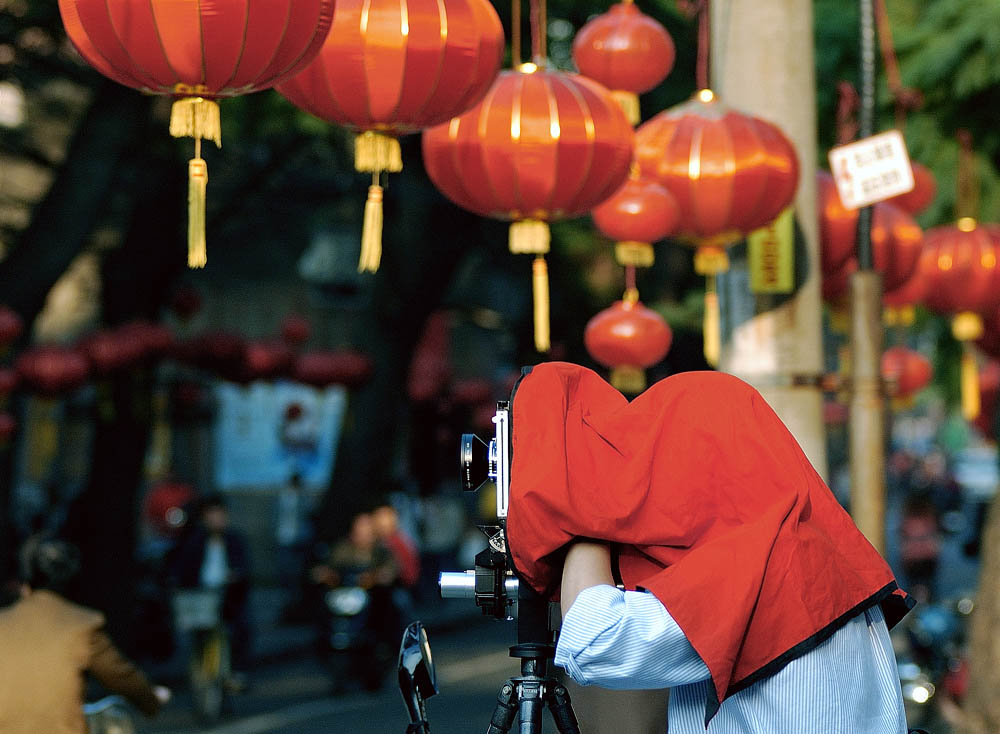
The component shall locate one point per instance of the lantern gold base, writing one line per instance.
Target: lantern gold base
(198, 118)
(629, 380)
(374, 153)
(529, 237)
(639, 254)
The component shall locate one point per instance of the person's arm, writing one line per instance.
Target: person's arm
(618, 639)
(117, 673)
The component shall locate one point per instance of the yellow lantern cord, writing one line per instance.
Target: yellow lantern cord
(540, 292)
(198, 118)
(371, 232)
(969, 383)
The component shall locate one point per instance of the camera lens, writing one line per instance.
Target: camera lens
(475, 462)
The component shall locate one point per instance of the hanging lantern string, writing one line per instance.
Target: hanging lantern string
(539, 32)
(904, 98)
(515, 33)
(848, 102)
(967, 183)
(631, 290)
(700, 8)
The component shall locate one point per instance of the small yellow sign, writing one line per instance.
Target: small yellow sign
(771, 254)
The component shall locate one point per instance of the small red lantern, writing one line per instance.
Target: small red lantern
(11, 326)
(628, 338)
(109, 351)
(906, 370)
(921, 195)
(296, 330)
(325, 368)
(52, 370)
(640, 213)
(541, 146)
(896, 237)
(393, 67)
(197, 52)
(626, 51)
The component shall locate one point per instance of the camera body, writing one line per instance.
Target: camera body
(482, 463)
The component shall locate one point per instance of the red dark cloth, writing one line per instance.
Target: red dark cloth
(717, 510)
(404, 551)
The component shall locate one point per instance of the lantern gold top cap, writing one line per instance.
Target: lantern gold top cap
(966, 224)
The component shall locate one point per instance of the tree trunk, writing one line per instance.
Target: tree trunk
(762, 60)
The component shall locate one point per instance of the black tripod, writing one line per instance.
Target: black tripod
(523, 695)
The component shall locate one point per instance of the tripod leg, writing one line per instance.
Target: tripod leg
(530, 707)
(504, 713)
(562, 710)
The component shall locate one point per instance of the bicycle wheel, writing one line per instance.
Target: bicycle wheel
(210, 668)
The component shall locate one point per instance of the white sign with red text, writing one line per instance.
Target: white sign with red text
(871, 170)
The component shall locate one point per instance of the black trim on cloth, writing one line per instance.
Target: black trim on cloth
(616, 570)
(712, 702)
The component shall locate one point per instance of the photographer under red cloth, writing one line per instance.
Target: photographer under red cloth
(711, 504)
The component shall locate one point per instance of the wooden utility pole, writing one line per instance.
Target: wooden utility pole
(762, 64)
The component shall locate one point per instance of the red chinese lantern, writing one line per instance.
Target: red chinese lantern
(265, 360)
(963, 279)
(155, 340)
(899, 305)
(11, 326)
(906, 370)
(325, 368)
(541, 146)
(219, 351)
(111, 350)
(296, 330)
(52, 370)
(197, 52)
(393, 67)
(921, 195)
(640, 213)
(731, 173)
(626, 51)
(628, 338)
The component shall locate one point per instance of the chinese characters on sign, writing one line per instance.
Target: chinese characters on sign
(872, 169)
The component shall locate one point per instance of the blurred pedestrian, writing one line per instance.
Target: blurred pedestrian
(920, 546)
(216, 556)
(48, 643)
(293, 533)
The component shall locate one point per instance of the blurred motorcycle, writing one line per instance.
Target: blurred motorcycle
(109, 715)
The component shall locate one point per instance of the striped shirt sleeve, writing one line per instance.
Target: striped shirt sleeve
(625, 640)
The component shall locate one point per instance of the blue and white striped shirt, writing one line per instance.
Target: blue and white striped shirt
(627, 640)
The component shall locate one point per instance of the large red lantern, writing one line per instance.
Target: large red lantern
(628, 337)
(906, 370)
(541, 146)
(921, 195)
(392, 67)
(963, 279)
(197, 52)
(626, 51)
(52, 370)
(111, 350)
(266, 360)
(325, 368)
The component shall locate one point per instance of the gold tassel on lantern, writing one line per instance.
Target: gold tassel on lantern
(629, 102)
(529, 237)
(371, 233)
(197, 194)
(966, 327)
(712, 327)
(627, 379)
(374, 153)
(638, 254)
(540, 290)
(198, 118)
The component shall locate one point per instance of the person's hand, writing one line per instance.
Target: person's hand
(163, 694)
(588, 563)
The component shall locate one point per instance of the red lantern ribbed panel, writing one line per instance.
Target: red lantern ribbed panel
(209, 48)
(541, 145)
(837, 226)
(921, 195)
(397, 66)
(961, 270)
(730, 172)
(908, 369)
(911, 292)
(624, 49)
